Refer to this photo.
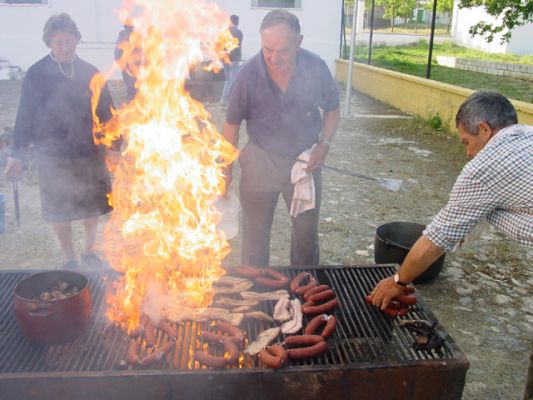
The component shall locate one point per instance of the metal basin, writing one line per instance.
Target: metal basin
(394, 240)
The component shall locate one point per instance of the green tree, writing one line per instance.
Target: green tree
(443, 7)
(397, 8)
(513, 13)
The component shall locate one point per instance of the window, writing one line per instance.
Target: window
(277, 3)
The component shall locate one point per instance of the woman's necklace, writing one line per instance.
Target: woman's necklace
(71, 74)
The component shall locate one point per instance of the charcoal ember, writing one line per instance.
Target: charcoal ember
(427, 336)
(435, 340)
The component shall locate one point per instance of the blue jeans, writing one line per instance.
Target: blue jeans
(230, 71)
(263, 178)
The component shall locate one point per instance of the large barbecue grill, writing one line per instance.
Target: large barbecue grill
(369, 356)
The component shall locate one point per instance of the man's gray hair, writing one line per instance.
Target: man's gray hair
(60, 22)
(485, 106)
(281, 16)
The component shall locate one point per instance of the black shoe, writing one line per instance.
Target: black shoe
(71, 264)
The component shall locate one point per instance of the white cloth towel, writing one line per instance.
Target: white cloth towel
(304, 186)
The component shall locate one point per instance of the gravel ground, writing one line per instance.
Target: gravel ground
(484, 294)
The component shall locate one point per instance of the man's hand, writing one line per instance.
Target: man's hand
(384, 292)
(13, 167)
(317, 157)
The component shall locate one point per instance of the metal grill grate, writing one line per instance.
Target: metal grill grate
(366, 340)
(363, 334)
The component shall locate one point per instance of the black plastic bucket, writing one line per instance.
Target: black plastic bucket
(394, 240)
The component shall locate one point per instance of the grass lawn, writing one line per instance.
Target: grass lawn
(412, 59)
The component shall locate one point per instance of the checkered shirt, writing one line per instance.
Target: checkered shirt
(497, 184)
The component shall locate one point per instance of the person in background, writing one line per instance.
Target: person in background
(55, 116)
(496, 186)
(129, 55)
(231, 69)
(280, 93)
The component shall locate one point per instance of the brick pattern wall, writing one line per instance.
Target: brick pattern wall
(519, 71)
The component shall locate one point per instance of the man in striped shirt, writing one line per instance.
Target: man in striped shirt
(496, 186)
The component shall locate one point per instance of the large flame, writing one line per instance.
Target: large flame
(162, 234)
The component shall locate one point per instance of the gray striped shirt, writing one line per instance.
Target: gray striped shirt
(497, 184)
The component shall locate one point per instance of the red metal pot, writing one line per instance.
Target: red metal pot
(54, 321)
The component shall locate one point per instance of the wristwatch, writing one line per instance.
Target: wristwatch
(398, 281)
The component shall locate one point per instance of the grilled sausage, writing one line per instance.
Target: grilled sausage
(276, 280)
(316, 289)
(331, 324)
(409, 289)
(269, 360)
(231, 352)
(322, 296)
(157, 355)
(245, 271)
(280, 352)
(169, 329)
(312, 283)
(313, 325)
(210, 361)
(393, 312)
(321, 308)
(235, 332)
(296, 283)
(273, 356)
(132, 355)
(303, 340)
(149, 334)
(394, 304)
(328, 320)
(213, 337)
(403, 311)
(314, 346)
(307, 352)
(408, 299)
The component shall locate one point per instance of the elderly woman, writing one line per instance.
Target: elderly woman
(55, 116)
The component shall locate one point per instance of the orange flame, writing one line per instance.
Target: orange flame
(162, 234)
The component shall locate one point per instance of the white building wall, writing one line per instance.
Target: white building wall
(320, 22)
(520, 42)
(21, 28)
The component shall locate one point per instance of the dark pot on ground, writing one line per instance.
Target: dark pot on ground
(53, 321)
(394, 240)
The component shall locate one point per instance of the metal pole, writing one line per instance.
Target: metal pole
(343, 33)
(350, 60)
(371, 33)
(433, 17)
